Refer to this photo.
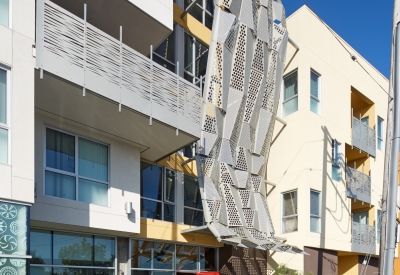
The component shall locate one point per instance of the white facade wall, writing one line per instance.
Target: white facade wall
(300, 157)
(124, 184)
(16, 54)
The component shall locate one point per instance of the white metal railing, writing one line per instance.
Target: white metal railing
(363, 238)
(73, 49)
(363, 137)
(358, 185)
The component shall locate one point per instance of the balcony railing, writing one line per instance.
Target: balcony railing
(358, 185)
(71, 48)
(363, 238)
(363, 137)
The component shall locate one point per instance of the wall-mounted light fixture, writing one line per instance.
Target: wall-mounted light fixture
(128, 207)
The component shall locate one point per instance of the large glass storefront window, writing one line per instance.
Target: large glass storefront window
(158, 258)
(13, 238)
(59, 253)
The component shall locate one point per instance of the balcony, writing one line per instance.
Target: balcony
(93, 79)
(363, 238)
(363, 137)
(358, 185)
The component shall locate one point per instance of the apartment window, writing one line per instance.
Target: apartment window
(195, 62)
(379, 134)
(315, 211)
(315, 93)
(5, 12)
(290, 96)
(71, 253)
(165, 53)
(203, 11)
(157, 192)
(193, 207)
(289, 210)
(4, 117)
(336, 160)
(378, 226)
(361, 217)
(167, 258)
(76, 168)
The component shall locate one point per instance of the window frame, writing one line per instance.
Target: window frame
(189, 207)
(195, 80)
(204, 11)
(312, 71)
(7, 125)
(76, 174)
(295, 71)
(290, 216)
(380, 138)
(163, 193)
(320, 210)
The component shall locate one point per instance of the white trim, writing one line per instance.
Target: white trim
(76, 172)
(15, 256)
(319, 99)
(15, 202)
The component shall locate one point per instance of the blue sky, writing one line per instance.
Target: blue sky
(365, 24)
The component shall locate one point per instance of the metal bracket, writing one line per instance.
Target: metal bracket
(270, 183)
(187, 161)
(191, 5)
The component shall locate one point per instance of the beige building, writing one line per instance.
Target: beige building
(327, 161)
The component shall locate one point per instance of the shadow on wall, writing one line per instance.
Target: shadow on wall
(341, 209)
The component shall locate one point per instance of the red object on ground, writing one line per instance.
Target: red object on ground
(208, 273)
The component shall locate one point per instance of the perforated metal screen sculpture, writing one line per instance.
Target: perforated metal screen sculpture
(243, 82)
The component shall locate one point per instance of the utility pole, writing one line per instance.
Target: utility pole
(390, 180)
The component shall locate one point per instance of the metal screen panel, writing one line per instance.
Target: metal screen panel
(363, 238)
(244, 72)
(358, 185)
(75, 50)
(363, 137)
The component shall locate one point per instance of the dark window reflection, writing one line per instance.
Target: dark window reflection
(41, 247)
(186, 257)
(69, 249)
(156, 255)
(169, 212)
(150, 181)
(192, 195)
(104, 251)
(193, 217)
(165, 53)
(72, 249)
(60, 151)
(170, 186)
(207, 259)
(151, 209)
